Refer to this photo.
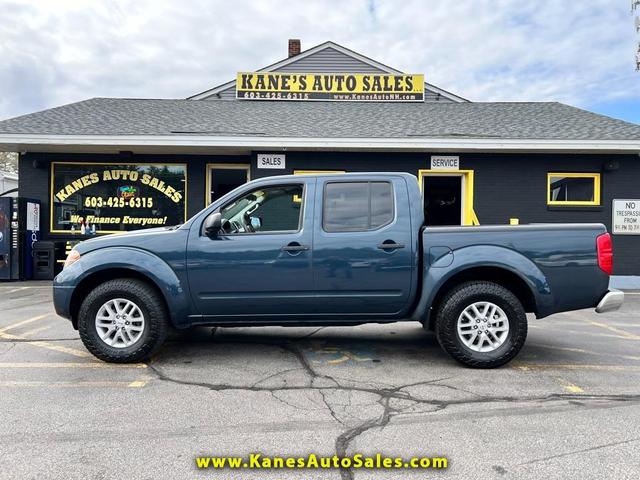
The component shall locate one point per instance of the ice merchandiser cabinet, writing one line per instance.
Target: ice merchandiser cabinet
(19, 230)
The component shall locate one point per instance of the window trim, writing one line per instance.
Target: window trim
(596, 189)
(221, 166)
(272, 232)
(368, 182)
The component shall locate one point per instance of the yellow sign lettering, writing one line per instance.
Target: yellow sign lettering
(330, 86)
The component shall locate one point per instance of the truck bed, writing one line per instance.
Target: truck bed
(558, 261)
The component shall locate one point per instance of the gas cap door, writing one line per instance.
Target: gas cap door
(440, 257)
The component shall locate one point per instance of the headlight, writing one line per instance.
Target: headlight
(72, 258)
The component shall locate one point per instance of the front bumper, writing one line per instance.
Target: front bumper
(612, 301)
(62, 300)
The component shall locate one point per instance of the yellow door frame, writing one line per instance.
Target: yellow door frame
(222, 166)
(468, 214)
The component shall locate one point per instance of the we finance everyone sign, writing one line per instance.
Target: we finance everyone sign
(330, 86)
(116, 197)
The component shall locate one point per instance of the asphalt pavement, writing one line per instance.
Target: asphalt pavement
(567, 407)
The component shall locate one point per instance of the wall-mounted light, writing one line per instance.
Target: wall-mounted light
(611, 166)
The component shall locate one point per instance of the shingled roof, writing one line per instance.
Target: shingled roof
(149, 117)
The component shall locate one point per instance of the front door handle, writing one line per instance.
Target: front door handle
(295, 247)
(390, 245)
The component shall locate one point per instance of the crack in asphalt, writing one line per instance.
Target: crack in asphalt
(324, 383)
(584, 450)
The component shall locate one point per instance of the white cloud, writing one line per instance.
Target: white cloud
(56, 52)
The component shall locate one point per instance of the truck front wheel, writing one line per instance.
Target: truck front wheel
(123, 320)
(481, 324)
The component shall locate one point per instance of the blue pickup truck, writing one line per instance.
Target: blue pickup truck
(332, 250)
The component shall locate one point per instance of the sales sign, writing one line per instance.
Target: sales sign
(330, 86)
(269, 160)
(625, 217)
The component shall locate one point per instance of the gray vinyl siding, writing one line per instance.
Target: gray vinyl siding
(328, 60)
(228, 94)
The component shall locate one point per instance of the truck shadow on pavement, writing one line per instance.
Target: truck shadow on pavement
(330, 346)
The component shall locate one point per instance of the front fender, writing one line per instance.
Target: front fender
(125, 258)
(437, 274)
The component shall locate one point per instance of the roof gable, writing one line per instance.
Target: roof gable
(328, 57)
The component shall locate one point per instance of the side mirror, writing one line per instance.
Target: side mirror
(212, 225)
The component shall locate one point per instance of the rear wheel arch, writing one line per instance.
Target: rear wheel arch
(498, 275)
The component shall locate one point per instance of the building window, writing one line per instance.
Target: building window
(265, 210)
(573, 189)
(115, 197)
(357, 206)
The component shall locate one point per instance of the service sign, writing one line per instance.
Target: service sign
(360, 87)
(114, 197)
(445, 162)
(625, 217)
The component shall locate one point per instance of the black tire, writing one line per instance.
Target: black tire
(156, 325)
(462, 296)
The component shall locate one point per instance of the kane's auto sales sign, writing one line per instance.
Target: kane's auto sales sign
(330, 86)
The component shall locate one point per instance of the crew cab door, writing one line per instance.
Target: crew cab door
(259, 264)
(363, 249)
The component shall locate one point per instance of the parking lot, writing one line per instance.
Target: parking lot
(570, 402)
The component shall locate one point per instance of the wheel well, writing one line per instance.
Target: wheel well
(505, 278)
(95, 279)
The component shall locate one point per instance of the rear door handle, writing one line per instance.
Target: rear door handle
(295, 247)
(390, 246)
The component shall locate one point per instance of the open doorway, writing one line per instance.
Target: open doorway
(443, 199)
(222, 178)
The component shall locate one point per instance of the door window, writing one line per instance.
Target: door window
(357, 206)
(264, 210)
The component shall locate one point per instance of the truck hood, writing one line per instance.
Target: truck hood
(135, 238)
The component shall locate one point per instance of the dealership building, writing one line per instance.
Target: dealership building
(108, 165)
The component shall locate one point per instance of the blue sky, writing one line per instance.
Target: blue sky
(628, 110)
(62, 51)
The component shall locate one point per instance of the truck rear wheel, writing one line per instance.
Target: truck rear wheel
(481, 324)
(123, 320)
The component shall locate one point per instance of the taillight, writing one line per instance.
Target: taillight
(605, 253)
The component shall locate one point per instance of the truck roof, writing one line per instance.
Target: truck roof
(349, 174)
